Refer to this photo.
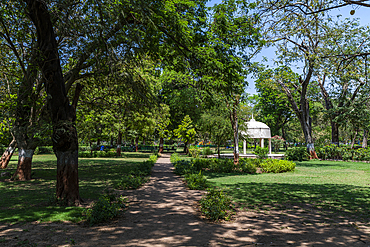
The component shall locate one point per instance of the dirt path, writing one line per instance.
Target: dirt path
(162, 213)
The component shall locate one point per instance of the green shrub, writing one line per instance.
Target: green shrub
(196, 181)
(200, 164)
(194, 151)
(130, 182)
(207, 151)
(174, 157)
(183, 167)
(44, 150)
(106, 208)
(216, 205)
(221, 165)
(277, 166)
(297, 153)
(249, 165)
(261, 152)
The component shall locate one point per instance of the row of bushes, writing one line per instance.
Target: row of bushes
(330, 152)
(197, 152)
(227, 165)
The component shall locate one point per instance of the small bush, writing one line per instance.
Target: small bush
(183, 167)
(44, 150)
(196, 181)
(277, 166)
(130, 182)
(216, 205)
(297, 153)
(207, 151)
(248, 165)
(106, 208)
(174, 158)
(261, 152)
(194, 152)
(222, 165)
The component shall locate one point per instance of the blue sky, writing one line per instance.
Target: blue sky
(362, 13)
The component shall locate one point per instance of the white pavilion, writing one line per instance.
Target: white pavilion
(257, 130)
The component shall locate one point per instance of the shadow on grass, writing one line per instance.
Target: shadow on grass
(137, 155)
(336, 199)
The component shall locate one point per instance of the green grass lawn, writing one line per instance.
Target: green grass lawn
(29, 200)
(336, 188)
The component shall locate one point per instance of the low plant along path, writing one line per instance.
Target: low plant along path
(163, 213)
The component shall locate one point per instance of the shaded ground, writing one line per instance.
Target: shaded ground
(163, 213)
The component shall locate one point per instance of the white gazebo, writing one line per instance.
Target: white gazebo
(257, 130)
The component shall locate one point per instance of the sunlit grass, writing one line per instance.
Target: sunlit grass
(29, 200)
(336, 188)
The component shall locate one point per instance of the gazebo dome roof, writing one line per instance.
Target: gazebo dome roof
(257, 130)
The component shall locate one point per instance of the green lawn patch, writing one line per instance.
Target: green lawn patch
(30, 200)
(336, 188)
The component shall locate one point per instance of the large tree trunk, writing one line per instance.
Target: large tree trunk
(63, 115)
(23, 171)
(161, 142)
(7, 155)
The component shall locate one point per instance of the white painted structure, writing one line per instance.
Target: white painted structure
(257, 130)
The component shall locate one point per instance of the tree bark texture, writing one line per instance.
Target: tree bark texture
(65, 142)
(137, 144)
(7, 155)
(364, 140)
(161, 142)
(23, 171)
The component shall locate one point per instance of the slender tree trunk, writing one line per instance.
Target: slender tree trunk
(334, 132)
(161, 142)
(63, 115)
(119, 143)
(234, 124)
(186, 150)
(218, 151)
(137, 144)
(364, 140)
(7, 155)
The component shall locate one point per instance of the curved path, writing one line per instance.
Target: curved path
(162, 213)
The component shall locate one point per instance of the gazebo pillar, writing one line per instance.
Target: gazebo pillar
(244, 147)
(261, 143)
(270, 146)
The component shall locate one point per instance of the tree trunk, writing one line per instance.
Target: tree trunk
(63, 115)
(218, 151)
(137, 144)
(334, 133)
(161, 142)
(119, 143)
(364, 140)
(23, 171)
(186, 150)
(7, 155)
(234, 124)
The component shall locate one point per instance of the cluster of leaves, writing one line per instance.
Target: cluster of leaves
(194, 152)
(137, 175)
(297, 153)
(343, 153)
(107, 207)
(216, 205)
